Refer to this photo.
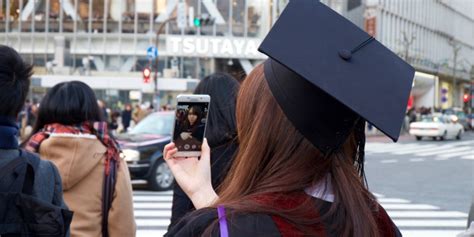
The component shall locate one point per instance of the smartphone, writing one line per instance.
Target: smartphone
(190, 124)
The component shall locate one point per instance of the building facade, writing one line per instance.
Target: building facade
(112, 38)
(435, 36)
(115, 38)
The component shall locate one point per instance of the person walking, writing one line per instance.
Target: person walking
(44, 184)
(70, 131)
(139, 113)
(126, 117)
(301, 117)
(221, 133)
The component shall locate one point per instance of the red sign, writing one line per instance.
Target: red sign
(370, 26)
(410, 104)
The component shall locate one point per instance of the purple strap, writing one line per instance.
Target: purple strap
(222, 221)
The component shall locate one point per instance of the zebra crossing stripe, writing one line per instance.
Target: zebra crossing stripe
(444, 151)
(404, 206)
(426, 214)
(384, 148)
(392, 200)
(153, 222)
(430, 233)
(151, 233)
(378, 195)
(429, 223)
(457, 149)
(413, 149)
(153, 198)
(417, 159)
(156, 205)
(152, 213)
(456, 154)
(148, 193)
(426, 149)
(389, 161)
(471, 157)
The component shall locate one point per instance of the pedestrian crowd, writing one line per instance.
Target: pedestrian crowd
(118, 121)
(283, 154)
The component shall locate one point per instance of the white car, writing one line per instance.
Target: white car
(437, 126)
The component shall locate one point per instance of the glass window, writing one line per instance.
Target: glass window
(161, 124)
(258, 12)
(238, 16)
(351, 4)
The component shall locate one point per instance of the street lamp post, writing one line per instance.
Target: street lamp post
(456, 48)
(155, 77)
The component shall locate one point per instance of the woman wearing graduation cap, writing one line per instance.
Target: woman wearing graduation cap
(300, 121)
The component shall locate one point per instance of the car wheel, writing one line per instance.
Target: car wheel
(458, 137)
(445, 135)
(418, 138)
(434, 138)
(161, 177)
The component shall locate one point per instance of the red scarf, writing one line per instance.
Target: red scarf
(288, 202)
(99, 129)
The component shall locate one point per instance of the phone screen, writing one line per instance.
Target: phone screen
(190, 125)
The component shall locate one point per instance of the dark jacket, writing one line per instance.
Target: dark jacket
(126, 118)
(257, 224)
(221, 159)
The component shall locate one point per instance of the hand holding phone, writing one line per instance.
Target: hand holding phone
(193, 175)
(190, 124)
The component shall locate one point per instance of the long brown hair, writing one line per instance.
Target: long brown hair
(274, 158)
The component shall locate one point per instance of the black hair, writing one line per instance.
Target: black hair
(68, 103)
(14, 81)
(221, 122)
(196, 110)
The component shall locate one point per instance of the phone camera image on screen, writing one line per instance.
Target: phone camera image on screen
(191, 118)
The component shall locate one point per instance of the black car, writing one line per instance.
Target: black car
(143, 147)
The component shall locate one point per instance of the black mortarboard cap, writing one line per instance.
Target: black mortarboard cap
(327, 74)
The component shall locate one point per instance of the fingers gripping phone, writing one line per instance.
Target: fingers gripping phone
(190, 124)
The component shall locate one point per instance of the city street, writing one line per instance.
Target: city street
(425, 186)
(432, 179)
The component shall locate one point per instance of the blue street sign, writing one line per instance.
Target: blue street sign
(152, 52)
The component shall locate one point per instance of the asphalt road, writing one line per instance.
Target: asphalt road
(440, 173)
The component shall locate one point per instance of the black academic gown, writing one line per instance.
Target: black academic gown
(196, 223)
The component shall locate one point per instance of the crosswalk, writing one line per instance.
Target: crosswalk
(420, 220)
(423, 151)
(153, 211)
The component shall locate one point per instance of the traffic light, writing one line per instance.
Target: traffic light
(465, 98)
(197, 22)
(146, 75)
(203, 20)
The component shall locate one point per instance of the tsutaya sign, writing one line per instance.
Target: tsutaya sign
(205, 46)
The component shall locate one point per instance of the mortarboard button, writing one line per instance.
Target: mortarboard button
(345, 54)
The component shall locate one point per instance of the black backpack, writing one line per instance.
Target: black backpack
(21, 214)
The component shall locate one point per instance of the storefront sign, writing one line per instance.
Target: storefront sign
(222, 47)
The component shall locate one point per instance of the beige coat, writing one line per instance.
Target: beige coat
(80, 160)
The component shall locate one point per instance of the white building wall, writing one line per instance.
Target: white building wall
(433, 23)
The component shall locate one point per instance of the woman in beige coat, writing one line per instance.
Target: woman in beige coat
(96, 182)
